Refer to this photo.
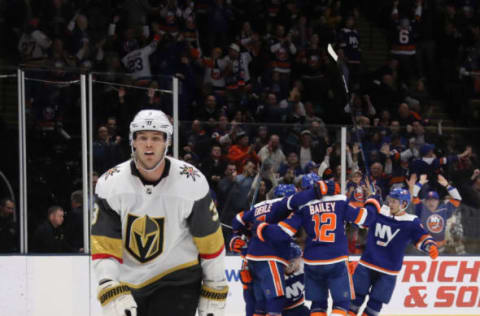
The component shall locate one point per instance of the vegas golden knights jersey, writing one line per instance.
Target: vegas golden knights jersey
(155, 234)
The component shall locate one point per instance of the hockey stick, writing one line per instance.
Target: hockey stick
(255, 193)
(353, 116)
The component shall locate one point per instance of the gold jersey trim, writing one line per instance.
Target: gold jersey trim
(107, 245)
(210, 244)
(163, 274)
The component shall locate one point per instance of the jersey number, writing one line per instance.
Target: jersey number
(325, 224)
(135, 64)
(403, 36)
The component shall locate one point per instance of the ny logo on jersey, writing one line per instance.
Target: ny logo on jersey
(144, 237)
(384, 232)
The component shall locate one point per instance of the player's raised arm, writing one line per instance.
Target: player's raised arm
(207, 235)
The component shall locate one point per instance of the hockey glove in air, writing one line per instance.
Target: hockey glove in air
(237, 244)
(213, 297)
(116, 299)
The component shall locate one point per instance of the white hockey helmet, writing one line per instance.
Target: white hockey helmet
(151, 120)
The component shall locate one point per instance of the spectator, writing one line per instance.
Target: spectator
(379, 179)
(105, 154)
(349, 42)
(50, 236)
(209, 110)
(8, 227)
(214, 166)
(292, 163)
(74, 222)
(434, 214)
(273, 153)
(306, 151)
(34, 43)
(242, 152)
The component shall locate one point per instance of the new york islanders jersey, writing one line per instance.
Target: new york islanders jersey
(147, 234)
(270, 211)
(137, 62)
(259, 250)
(349, 41)
(324, 222)
(294, 288)
(388, 237)
(435, 222)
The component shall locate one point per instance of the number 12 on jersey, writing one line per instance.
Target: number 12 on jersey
(325, 225)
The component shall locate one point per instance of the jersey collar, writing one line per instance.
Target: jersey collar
(136, 173)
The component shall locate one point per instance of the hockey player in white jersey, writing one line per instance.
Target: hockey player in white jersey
(157, 246)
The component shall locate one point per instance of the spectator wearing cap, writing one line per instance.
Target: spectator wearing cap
(215, 67)
(434, 214)
(306, 151)
(241, 152)
(273, 153)
(429, 164)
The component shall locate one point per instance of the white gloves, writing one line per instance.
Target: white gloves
(116, 299)
(213, 296)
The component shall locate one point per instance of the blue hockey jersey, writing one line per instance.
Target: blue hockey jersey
(324, 222)
(294, 288)
(387, 239)
(270, 211)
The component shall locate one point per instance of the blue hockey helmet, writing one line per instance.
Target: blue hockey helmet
(400, 194)
(282, 190)
(309, 180)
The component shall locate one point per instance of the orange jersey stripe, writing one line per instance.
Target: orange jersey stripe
(377, 268)
(350, 281)
(267, 258)
(338, 312)
(288, 227)
(328, 261)
(422, 239)
(276, 278)
(360, 216)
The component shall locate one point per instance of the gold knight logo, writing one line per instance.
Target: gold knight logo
(144, 237)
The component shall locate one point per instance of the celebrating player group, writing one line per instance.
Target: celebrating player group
(269, 234)
(159, 251)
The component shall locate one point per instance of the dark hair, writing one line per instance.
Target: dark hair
(77, 196)
(53, 209)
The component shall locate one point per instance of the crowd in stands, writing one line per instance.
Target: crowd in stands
(259, 95)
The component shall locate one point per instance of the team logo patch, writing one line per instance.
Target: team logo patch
(189, 172)
(435, 223)
(144, 237)
(110, 172)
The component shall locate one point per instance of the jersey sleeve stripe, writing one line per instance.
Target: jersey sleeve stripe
(102, 245)
(105, 256)
(211, 244)
(240, 218)
(328, 261)
(287, 229)
(422, 240)
(323, 187)
(213, 255)
(259, 231)
(297, 303)
(338, 312)
(362, 215)
(374, 203)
